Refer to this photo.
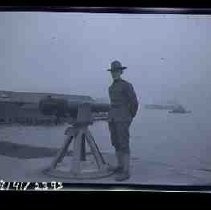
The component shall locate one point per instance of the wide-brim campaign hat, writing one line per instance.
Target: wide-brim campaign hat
(116, 65)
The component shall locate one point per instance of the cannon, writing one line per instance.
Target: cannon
(63, 108)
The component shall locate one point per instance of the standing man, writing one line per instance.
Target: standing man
(124, 106)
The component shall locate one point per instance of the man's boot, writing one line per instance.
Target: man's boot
(125, 173)
(120, 164)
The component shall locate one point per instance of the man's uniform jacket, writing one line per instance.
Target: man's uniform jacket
(124, 103)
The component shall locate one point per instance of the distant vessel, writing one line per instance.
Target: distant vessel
(158, 106)
(179, 109)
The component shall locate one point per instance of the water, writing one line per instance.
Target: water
(160, 140)
(179, 140)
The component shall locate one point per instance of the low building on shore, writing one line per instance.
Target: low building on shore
(23, 107)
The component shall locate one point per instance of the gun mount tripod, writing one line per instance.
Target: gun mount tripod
(79, 134)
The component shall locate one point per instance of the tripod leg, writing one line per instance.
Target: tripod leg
(62, 152)
(77, 153)
(95, 150)
(83, 149)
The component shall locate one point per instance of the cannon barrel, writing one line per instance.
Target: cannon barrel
(63, 107)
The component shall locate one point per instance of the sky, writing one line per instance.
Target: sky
(168, 56)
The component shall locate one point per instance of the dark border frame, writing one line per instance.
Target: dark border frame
(123, 10)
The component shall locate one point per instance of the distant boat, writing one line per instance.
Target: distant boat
(179, 112)
(159, 106)
(179, 109)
